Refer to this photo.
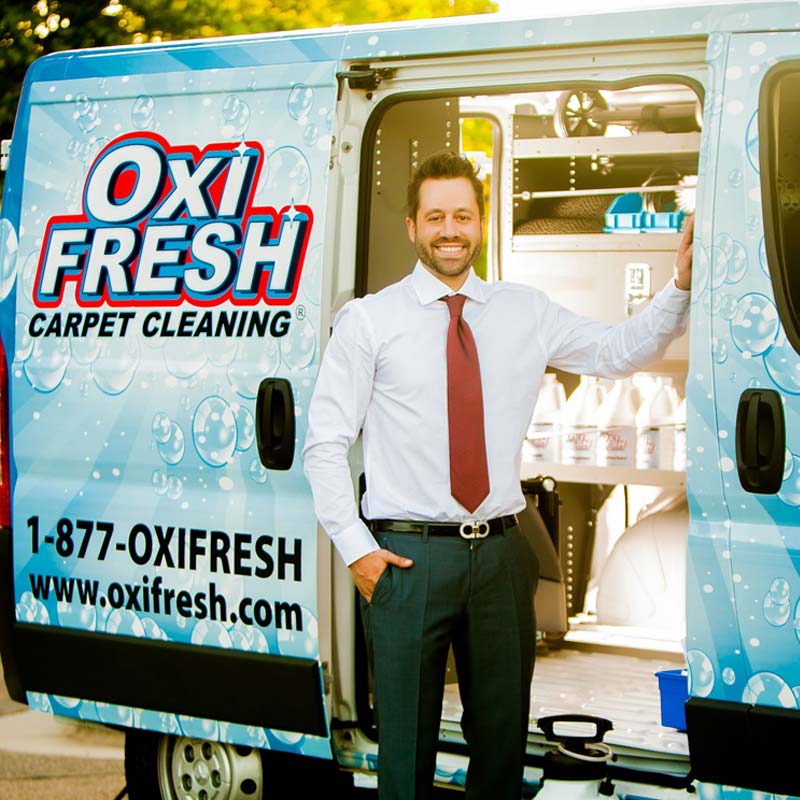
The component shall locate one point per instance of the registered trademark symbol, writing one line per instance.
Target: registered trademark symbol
(300, 312)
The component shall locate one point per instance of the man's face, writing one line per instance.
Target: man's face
(448, 229)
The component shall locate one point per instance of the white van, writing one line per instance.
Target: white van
(179, 225)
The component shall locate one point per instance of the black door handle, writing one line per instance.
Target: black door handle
(275, 427)
(760, 441)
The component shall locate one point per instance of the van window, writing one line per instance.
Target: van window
(779, 133)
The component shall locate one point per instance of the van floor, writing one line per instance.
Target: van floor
(616, 683)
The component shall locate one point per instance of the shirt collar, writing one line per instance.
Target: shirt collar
(429, 288)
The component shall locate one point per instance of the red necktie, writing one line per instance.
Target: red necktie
(469, 471)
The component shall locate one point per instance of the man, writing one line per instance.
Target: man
(441, 372)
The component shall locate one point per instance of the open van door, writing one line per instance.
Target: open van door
(165, 209)
(744, 586)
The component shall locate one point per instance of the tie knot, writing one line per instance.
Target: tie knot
(455, 303)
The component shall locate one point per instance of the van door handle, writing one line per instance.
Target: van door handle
(760, 441)
(275, 425)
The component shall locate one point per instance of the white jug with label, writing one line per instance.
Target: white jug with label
(579, 423)
(616, 421)
(543, 442)
(655, 429)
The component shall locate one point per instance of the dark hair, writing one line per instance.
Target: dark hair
(442, 165)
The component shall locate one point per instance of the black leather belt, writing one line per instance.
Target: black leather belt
(470, 529)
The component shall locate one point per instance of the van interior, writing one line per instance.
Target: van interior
(586, 189)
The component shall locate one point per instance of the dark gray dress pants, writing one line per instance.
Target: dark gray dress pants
(477, 596)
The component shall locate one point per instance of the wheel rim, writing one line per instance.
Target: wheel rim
(193, 769)
(575, 113)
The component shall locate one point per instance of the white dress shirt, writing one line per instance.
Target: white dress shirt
(384, 372)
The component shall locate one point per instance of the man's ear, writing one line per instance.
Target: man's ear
(411, 227)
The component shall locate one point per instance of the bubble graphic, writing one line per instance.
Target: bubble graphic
(224, 352)
(152, 630)
(788, 464)
(161, 426)
(737, 263)
(184, 359)
(210, 632)
(735, 178)
(301, 98)
(310, 134)
(245, 426)
(700, 271)
(47, 364)
(8, 257)
(245, 637)
(199, 728)
(116, 364)
(174, 487)
(777, 607)
(115, 715)
(257, 471)
(701, 673)
(23, 341)
(124, 622)
(768, 689)
(727, 306)
(719, 266)
(783, 365)
(29, 609)
(74, 148)
(159, 481)
(76, 615)
(66, 702)
(751, 141)
(87, 113)
(311, 283)
(85, 349)
(172, 450)
(790, 488)
(288, 178)
(255, 360)
(755, 325)
(236, 114)
(299, 346)
(715, 47)
(39, 702)
(143, 112)
(29, 269)
(156, 721)
(720, 351)
(728, 676)
(214, 431)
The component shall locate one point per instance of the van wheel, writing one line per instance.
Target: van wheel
(183, 768)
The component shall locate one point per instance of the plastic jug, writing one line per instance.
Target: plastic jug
(543, 441)
(579, 422)
(616, 421)
(655, 429)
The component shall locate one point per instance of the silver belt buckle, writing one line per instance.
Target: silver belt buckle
(474, 529)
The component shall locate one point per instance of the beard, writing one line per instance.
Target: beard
(447, 267)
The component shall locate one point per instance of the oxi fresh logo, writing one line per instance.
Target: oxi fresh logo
(163, 225)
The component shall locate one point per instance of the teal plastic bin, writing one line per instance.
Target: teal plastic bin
(624, 215)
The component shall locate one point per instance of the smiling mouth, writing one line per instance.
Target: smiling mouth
(450, 247)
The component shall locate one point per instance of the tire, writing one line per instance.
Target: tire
(162, 767)
(183, 768)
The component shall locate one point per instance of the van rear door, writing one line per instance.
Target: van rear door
(167, 207)
(744, 644)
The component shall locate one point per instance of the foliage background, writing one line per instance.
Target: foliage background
(29, 31)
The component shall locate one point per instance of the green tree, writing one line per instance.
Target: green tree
(29, 31)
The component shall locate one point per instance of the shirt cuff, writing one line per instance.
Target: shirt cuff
(673, 299)
(354, 542)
